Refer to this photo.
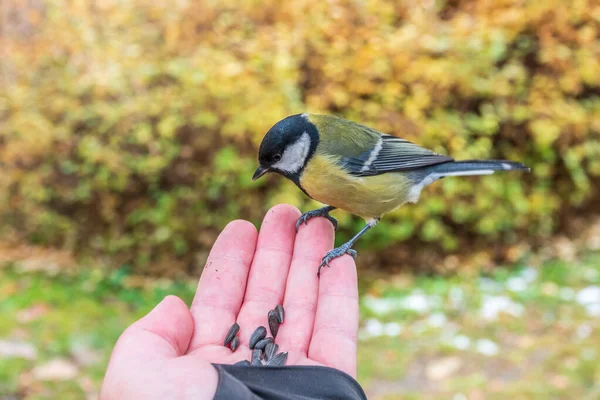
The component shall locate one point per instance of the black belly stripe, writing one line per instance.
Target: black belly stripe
(296, 179)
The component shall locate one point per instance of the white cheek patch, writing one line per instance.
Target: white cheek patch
(294, 156)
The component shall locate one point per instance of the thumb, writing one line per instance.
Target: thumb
(137, 363)
(164, 332)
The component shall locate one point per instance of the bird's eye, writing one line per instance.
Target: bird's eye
(277, 157)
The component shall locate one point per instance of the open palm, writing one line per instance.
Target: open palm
(246, 275)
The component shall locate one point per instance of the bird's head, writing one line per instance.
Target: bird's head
(287, 147)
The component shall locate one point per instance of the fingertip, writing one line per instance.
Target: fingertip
(278, 228)
(319, 234)
(342, 276)
(345, 261)
(285, 210)
(174, 303)
(281, 218)
(181, 313)
(237, 240)
(170, 321)
(242, 226)
(324, 225)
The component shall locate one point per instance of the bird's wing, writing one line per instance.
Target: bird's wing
(363, 151)
(392, 154)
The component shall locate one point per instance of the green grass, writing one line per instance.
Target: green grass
(546, 346)
(89, 309)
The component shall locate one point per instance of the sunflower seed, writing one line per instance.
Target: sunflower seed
(273, 323)
(231, 334)
(243, 362)
(235, 343)
(280, 313)
(270, 350)
(278, 360)
(256, 355)
(261, 345)
(258, 335)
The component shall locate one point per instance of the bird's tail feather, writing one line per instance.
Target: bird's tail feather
(474, 167)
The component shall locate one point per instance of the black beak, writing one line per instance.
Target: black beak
(260, 171)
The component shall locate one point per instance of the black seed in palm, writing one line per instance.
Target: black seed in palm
(258, 335)
(231, 334)
(278, 360)
(256, 356)
(270, 350)
(261, 345)
(243, 362)
(280, 313)
(273, 323)
(235, 343)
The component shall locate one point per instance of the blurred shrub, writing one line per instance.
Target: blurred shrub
(129, 129)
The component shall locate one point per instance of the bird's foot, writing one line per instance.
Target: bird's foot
(335, 253)
(321, 212)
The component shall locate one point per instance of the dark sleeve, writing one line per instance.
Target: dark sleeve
(294, 382)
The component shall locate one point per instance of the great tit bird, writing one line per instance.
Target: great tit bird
(355, 168)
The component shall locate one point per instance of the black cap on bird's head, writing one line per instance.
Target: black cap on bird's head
(287, 146)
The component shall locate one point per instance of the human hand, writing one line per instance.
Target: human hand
(168, 353)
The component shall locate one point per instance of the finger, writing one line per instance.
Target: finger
(221, 288)
(334, 337)
(163, 333)
(301, 293)
(149, 349)
(269, 271)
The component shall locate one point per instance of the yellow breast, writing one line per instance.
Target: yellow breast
(368, 197)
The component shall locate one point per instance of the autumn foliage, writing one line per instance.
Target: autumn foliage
(129, 130)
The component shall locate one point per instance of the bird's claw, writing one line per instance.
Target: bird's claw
(315, 213)
(302, 220)
(333, 254)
